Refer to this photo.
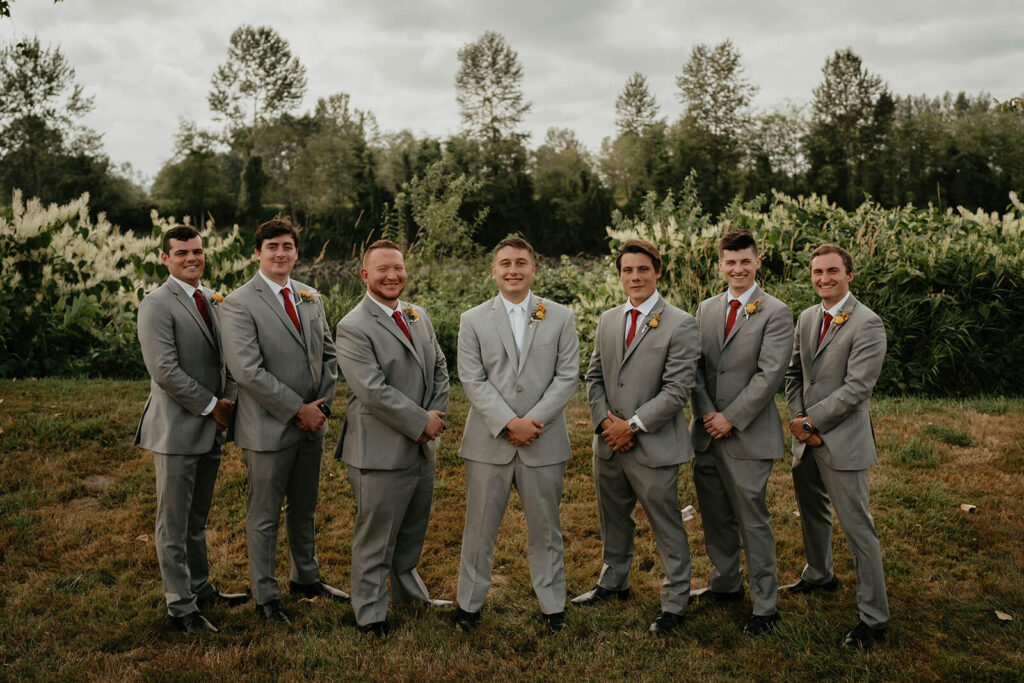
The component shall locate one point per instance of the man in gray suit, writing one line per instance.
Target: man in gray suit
(746, 340)
(641, 374)
(278, 346)
(397, 382)
(838, 351)
(519, 364)
(184, 424)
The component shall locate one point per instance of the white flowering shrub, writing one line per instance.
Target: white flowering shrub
(70, 288)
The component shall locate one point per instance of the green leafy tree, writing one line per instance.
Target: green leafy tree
(489, 89)
(635, 107)
(199, 180)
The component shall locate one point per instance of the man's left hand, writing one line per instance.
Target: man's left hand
(717, 425)
(221, 413)
(616, 433)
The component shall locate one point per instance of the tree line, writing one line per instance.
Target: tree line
(343, 179)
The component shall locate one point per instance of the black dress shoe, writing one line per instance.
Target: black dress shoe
(555, 621)
(802, 587)
(193, 622)
(225, 599)
(666, 623)
(599, 594)
(706, 596)
(272, 612)
(465, 621)
(759, 624)
(377, 628)
(864, 636)
(316, 589)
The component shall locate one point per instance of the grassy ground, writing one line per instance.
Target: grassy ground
(81, 597)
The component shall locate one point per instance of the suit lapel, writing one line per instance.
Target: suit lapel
(276, 305)
(833, 329)
(214, 316)
(389, 324)
(501, 323)
(741, 315)
(528, 333)
(644, 328)
(618, 330)
(716, 312)
(193, 311)
(421, 342)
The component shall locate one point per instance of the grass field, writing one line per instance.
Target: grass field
(81, 598)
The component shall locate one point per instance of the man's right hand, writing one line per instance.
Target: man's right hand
(435, 425)
(521, 431)
(221, 413)
(309, 417)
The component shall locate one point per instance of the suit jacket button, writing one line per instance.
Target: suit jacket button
(519, 387)
(812, 381)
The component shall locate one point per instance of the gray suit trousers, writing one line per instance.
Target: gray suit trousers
(731, 494)
(184, 489)
(621, 481)
(817, 484)
(487, 491)
(291, 475)
(393, 507)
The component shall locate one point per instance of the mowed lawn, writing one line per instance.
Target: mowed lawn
(81, 597)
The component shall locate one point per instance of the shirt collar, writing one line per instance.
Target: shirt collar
(387, 309)
(646, 307)
(744, 298)
(521, 306)
(276, 287)
(190, 291)
(838, 307)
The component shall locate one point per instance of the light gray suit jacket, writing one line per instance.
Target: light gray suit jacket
(652, 380)
(502, 383)
(739, 375)
(186, 371)
(832, 383)
(277, 368)
(392, 386)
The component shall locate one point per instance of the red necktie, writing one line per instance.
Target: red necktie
(401, 325)
(203, 311)
(635, 313)
(730, 320)
(289, 308)
(824, 328)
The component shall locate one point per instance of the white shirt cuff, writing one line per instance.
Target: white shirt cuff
(209, 408)
(639, 422)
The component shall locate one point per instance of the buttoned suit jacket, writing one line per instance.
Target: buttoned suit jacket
(738, 375)
(277, 368)
(186, 371)
(502, 383)
(831, 383)
(392, 385)
(653, 379)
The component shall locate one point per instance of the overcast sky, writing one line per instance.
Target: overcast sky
(149, 62)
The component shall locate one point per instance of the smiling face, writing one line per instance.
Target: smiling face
(384, 274)
(638, 276)
(277, 257)
(185, 259)
(830, 279)
(739, 268)
(513, 271)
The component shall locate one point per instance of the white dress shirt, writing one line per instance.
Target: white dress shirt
(517, 316)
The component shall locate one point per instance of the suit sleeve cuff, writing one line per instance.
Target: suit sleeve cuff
(209, 408)
(639, 422)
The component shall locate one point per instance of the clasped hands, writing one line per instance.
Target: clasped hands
(435, 425)
(796, 425)
(616, 433)
(522, 431)
(717, 425)
(221, 413)
(310, 416)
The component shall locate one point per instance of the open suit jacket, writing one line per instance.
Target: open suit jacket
(184, 363)
(502, 383)
(392, 386)
(653, 379)
(831, 383)
(277, 368)
(739, 374)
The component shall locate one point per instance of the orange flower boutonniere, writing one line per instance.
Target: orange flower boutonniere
(841, 318)
(655, 321)
(411, 314)
(538, 313)
(751, 309)
(306, 295)
(216, 298)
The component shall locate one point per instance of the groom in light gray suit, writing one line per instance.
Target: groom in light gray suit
(838, 352)
(746, 338)
(184, 423)
(397, 382)
(278, 346)
(640, 377)
(519, 365)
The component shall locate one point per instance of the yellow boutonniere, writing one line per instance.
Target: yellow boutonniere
(538, 313)
(655, 321)
(411, 314)
(216, 298)
(841, 318)
(751, 309)
(306, 295)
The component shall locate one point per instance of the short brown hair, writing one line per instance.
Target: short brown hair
(514, 241)
(179, 232)
(380, 244)
(736, 240)
(275, 228)
(636, 246)
(833, 249)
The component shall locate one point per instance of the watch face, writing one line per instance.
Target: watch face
(634, 427)
(807, 428)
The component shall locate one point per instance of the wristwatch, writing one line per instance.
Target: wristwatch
(807, 426)
(634, 426)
